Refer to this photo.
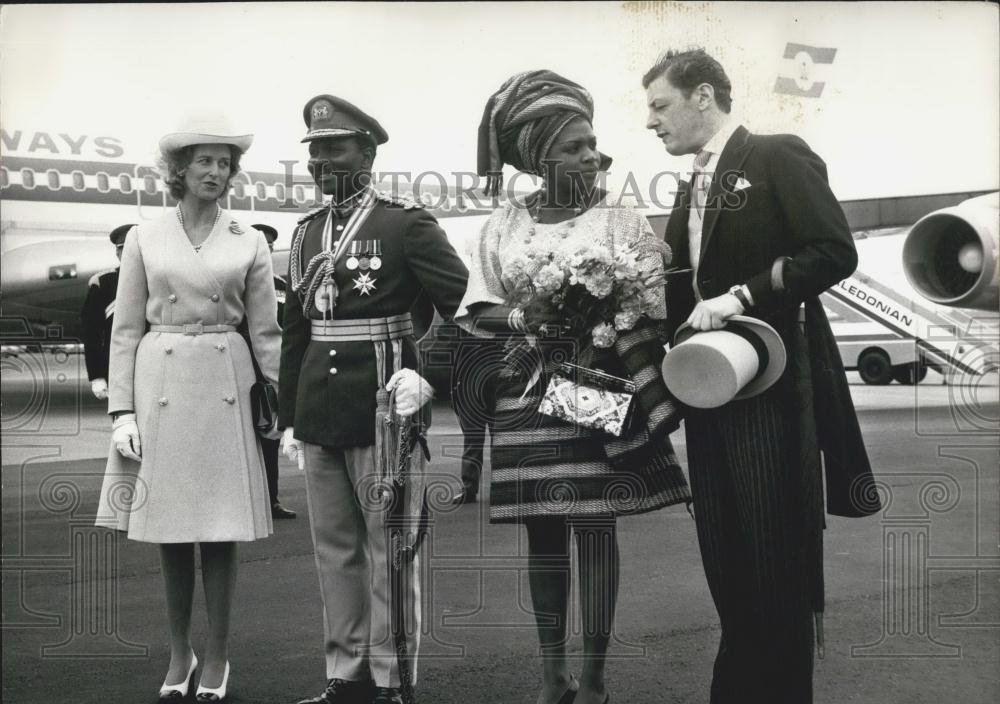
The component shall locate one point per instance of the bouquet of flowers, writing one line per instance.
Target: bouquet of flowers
(597, 294)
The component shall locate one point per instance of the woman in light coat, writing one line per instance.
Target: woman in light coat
(186, 466)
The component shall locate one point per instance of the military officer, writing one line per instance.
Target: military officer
(356, 267)
(97, 315)
(268, 447)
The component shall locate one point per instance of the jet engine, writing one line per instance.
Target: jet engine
(950, 255)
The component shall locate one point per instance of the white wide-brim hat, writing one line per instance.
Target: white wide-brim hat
(204, 130)
(711, 368)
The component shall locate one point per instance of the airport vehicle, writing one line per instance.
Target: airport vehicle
(878, 355)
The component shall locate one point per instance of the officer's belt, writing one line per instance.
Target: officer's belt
(362, 329)
(192, 328)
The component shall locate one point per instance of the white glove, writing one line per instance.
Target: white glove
(412, 391)
(293, 448)
(126, 437)
(100, 388)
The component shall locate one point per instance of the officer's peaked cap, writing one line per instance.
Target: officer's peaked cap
(330, 116)
(118, 234)
(270, 234)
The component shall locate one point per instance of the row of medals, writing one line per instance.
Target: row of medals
(364, 256)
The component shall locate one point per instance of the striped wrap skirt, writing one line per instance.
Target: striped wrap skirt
(544, 466)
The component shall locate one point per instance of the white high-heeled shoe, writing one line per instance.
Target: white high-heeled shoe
(176, 692)
(206, 694)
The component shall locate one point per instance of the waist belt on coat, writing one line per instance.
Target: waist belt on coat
(192, 328)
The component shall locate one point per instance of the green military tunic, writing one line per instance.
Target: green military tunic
(327, 389)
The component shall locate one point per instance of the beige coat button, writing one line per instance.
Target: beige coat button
(169, 350)
(333, 370)
(172, 298)
(215, 298)
(221, 348)
(230, 400)
(163, 401)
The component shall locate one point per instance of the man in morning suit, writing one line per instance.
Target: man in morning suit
(355, 269)
(764, 236)
(97, 316)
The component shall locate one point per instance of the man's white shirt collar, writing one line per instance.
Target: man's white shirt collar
(718, 141)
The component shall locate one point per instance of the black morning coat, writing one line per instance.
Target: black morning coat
(745, 230)
(97, 316)
(338, 409)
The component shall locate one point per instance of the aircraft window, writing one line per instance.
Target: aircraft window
(27, 178)
(239, 189)
(279, 191)
(103, 182)
(300, 194)
(78, 182)
(53, 178)
(125, 183)
(149, 184)
(261, 191)
(4, 178)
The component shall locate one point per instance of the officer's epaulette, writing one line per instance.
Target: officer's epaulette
(313, 213)
(95, 280)
(407, 202)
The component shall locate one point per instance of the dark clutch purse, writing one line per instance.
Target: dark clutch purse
(263, 407)
(590, 399)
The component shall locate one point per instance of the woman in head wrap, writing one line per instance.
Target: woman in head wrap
(185, 465)
(557, 478)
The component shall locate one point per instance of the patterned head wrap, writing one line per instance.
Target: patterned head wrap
(522, 121)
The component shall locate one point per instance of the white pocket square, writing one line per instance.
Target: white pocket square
(741, 184)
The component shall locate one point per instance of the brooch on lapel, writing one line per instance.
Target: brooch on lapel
(235, 228)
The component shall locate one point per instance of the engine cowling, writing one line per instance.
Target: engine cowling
(950, 255)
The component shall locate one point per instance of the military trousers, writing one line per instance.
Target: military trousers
(348, 524)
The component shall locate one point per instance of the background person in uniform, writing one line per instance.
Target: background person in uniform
(97, 316)
(270, 446)
(356, 268)
(556, 478)
(764, 235)
(185, 466)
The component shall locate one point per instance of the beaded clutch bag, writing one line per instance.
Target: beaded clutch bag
(589, 398)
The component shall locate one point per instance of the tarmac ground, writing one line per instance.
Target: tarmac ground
(912, 607)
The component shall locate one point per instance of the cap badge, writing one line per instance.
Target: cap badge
(321, 110)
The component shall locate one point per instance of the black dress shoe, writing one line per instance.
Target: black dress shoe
(463, 497)
(340, 691)
(388, 695)
(279, 511)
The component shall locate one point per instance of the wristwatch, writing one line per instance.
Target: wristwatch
(741, 296)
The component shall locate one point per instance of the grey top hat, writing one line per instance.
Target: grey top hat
(708, 369)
